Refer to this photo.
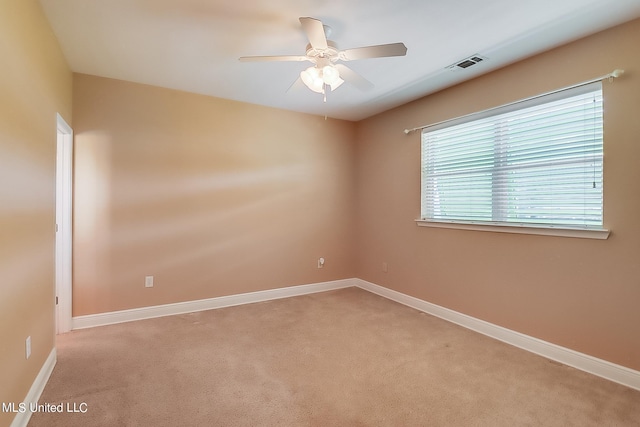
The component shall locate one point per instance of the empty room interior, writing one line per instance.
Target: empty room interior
(193, 239)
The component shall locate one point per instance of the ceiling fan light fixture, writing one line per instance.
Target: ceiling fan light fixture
(316, 78)
(312, 78)
(330, 75)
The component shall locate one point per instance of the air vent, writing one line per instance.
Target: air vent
(467, 62)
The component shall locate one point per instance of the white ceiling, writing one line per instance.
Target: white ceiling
(194, 45)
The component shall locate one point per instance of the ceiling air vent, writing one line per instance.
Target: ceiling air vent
(467, 62)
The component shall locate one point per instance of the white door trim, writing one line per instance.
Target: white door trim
(64, 192)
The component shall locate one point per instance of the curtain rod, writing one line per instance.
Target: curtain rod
(612, 75)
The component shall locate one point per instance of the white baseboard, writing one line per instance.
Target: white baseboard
(610, 371)
(22, 418)
(101, 319)
(602, 368)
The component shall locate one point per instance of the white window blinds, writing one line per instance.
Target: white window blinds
(535, 162)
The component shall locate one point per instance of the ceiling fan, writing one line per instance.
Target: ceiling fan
(324, 54)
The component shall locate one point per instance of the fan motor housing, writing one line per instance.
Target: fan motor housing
(330, 52)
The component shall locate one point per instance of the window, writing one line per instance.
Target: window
(535, 163)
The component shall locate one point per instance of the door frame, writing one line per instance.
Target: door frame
(64, 206)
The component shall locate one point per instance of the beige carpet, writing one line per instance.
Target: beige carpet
(339, 358)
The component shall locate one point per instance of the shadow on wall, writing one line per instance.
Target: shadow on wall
(203, 219)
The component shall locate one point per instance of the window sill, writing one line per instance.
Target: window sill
(584, 233)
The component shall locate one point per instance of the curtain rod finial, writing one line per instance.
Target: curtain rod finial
(617, 73)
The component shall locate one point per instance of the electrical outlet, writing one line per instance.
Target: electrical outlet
(148, 282)
(320, 262)
(27, 346)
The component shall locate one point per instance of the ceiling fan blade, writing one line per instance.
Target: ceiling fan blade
(350, 76)
(295, 86)
(273, 58)
(337, 84)
(379, 51)
(315, 32)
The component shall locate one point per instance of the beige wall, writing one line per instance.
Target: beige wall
(215, 197)
(35, 83)
(211, 197)
(579, 293)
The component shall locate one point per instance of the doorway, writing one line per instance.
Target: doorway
(64, 191)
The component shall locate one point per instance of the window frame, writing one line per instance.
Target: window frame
(554, 229)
